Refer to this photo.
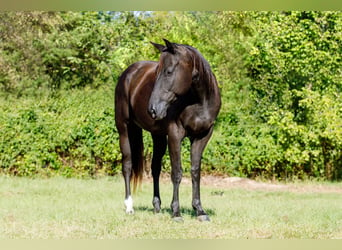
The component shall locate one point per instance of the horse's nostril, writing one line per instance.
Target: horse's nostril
(153, 113)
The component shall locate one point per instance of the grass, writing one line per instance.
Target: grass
(59, 208)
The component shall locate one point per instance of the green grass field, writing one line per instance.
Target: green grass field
(59, 208)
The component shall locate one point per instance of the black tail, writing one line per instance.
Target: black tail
(137, 154)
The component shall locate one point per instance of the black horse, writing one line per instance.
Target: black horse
(174, 98)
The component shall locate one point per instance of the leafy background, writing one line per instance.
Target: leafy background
(279, 74)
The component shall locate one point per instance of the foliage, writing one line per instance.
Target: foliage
(295, 65)
(77, 53)
(21, 66)
(54, 50)
(279, 75)
(72, 134)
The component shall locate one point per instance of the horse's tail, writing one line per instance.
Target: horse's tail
(137, 154)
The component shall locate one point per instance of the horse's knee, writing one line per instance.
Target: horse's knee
(176, 176)
(195, 172)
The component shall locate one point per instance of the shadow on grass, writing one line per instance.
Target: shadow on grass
(184, 211)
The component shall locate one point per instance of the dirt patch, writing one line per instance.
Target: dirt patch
(248, 184)
(244, 183)
(237, 182)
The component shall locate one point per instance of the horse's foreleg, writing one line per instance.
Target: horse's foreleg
(159, 148)
(197, 147)
(174, 143)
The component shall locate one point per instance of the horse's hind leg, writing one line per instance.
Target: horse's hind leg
(159, 148)
(126, 169)
(131, 149)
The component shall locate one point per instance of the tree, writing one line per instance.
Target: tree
(21, 33)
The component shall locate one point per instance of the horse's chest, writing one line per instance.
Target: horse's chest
(196, 120)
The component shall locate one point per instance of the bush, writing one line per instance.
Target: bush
(296, 80)
(72, 134)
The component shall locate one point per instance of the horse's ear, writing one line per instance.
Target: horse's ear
(160, 47)
(170, 46)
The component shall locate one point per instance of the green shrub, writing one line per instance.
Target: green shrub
(296, 85)
(72, 134)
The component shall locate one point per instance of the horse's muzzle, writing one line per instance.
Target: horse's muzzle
(157, 112)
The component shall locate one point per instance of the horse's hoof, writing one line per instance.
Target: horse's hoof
(131, 211)
(178, 219)
(156, 204)
(202, 218)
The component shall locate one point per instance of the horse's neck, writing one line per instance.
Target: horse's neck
(209, 98)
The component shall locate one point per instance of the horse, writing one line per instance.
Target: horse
(174, 98)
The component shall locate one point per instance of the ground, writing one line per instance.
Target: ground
(239, 208)
(248, 184)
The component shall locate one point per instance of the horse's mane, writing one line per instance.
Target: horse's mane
(202, 66)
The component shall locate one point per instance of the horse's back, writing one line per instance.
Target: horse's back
(134, 74)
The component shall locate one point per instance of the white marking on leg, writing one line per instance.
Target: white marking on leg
(129, 205)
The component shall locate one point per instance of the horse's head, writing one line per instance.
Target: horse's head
(174, 76)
